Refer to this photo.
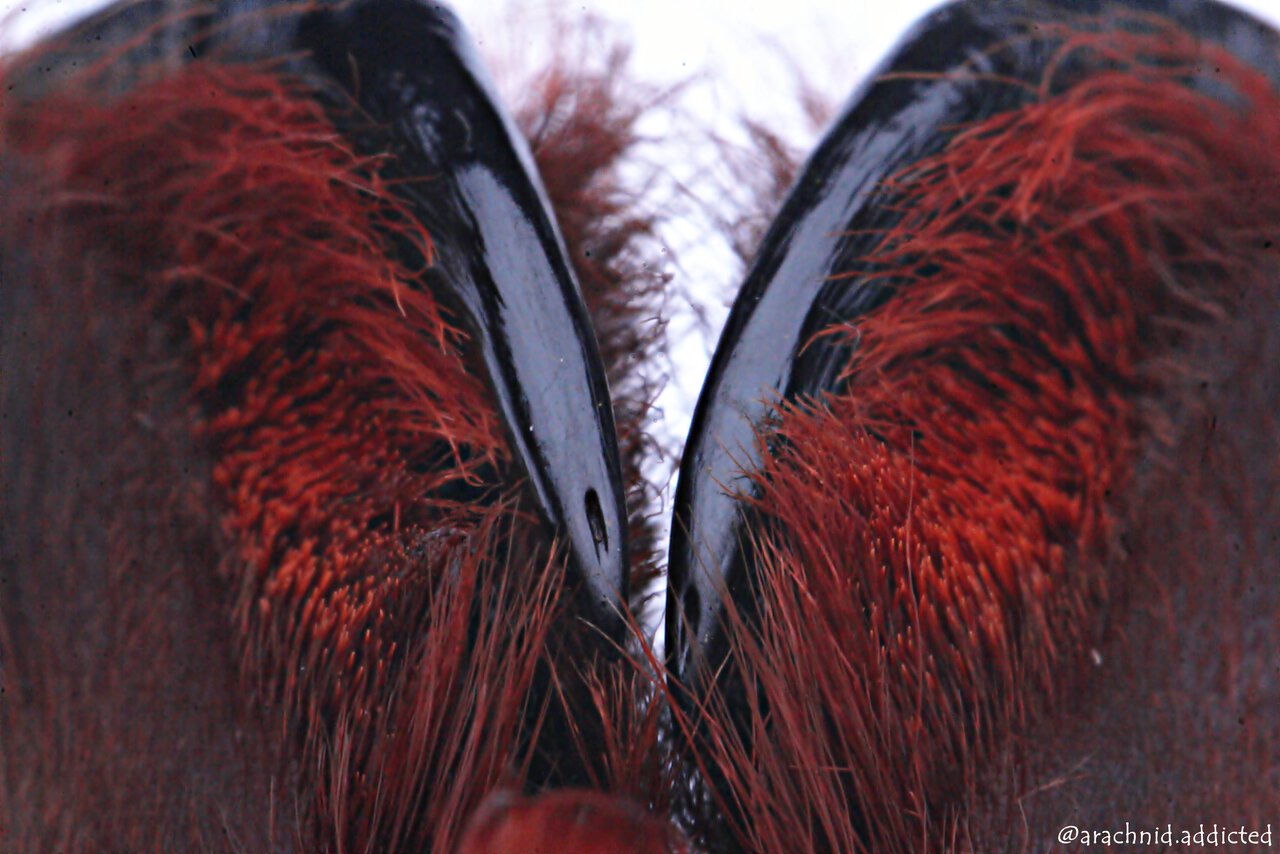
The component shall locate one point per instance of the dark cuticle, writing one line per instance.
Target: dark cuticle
(595, 518)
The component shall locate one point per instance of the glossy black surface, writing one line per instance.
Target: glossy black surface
(500, 266)
(500, 258)
(789, 294)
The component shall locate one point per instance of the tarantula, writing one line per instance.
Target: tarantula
(322, 530)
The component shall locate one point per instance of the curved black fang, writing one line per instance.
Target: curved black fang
(789, 296)
(499, 256)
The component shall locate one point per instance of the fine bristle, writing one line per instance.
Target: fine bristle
(942, 542)
(372, 564)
